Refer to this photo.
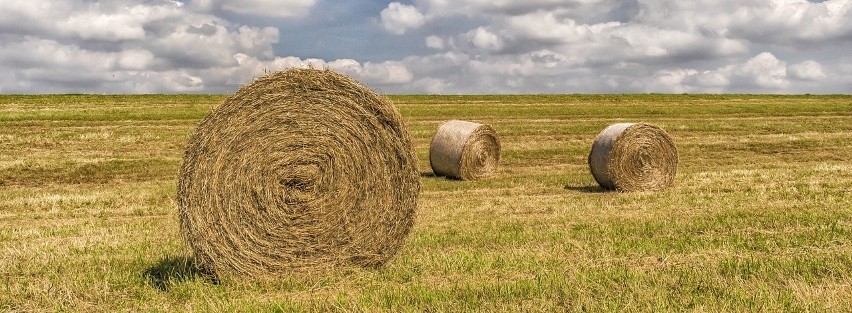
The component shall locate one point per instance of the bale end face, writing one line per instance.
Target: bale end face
(300, 169)
(633, 157)
(464, 150)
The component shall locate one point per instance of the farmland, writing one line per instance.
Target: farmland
(759, 218)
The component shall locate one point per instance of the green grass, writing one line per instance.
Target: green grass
(760, 218)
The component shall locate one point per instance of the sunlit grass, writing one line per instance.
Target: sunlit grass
(760, 217)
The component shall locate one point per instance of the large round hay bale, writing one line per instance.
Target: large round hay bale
(633, 157)
(300, 169)
(464, 150)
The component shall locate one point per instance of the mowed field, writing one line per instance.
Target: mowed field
(759, 219)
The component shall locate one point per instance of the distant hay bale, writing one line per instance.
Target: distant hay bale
(633, 157)
(300, 169)
(464, 150)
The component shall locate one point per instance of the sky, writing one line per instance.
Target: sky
(430, 46)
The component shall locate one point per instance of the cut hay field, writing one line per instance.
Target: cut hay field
(759, 218)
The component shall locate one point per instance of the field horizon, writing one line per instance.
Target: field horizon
(759, 218)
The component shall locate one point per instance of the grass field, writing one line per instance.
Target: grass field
(760, 218)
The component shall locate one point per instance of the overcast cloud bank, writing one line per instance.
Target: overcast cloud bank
(430, 46)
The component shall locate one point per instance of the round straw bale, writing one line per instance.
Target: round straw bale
(633, 157)
(300, 169)
(464, 150)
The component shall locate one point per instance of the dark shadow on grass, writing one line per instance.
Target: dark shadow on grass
(587, 189)
(433, 175)
(174, 270)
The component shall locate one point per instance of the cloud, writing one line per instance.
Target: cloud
(385, 73)
(484, 39)
(655, 27)
(763, 71)
(398, 18)
(782, 22)
(430, 46)
(119, 47)
(550, 27)
(52, 67)
(808, 70)
(91, 25)
(633, 46)
(435, 42)
(278, 9)
(547, 71)
(510, 7)
(83, 20)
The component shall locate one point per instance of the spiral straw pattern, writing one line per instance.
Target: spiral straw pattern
(633, 157)
(464, 150)
(302, 168)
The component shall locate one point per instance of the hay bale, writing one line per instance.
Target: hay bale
(464, 150)
(633, 157)
(300, 169)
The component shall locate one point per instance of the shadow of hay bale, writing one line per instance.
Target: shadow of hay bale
(588, 189)
(428, 174)
(172, 270)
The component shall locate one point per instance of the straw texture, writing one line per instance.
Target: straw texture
(633, 157)
(464, 150)
(300, 169)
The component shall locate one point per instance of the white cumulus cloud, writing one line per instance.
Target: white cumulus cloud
(435, 42)
(764, 70)
(398, 18)
(385, 73)
(808, 70)
(484, 39)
